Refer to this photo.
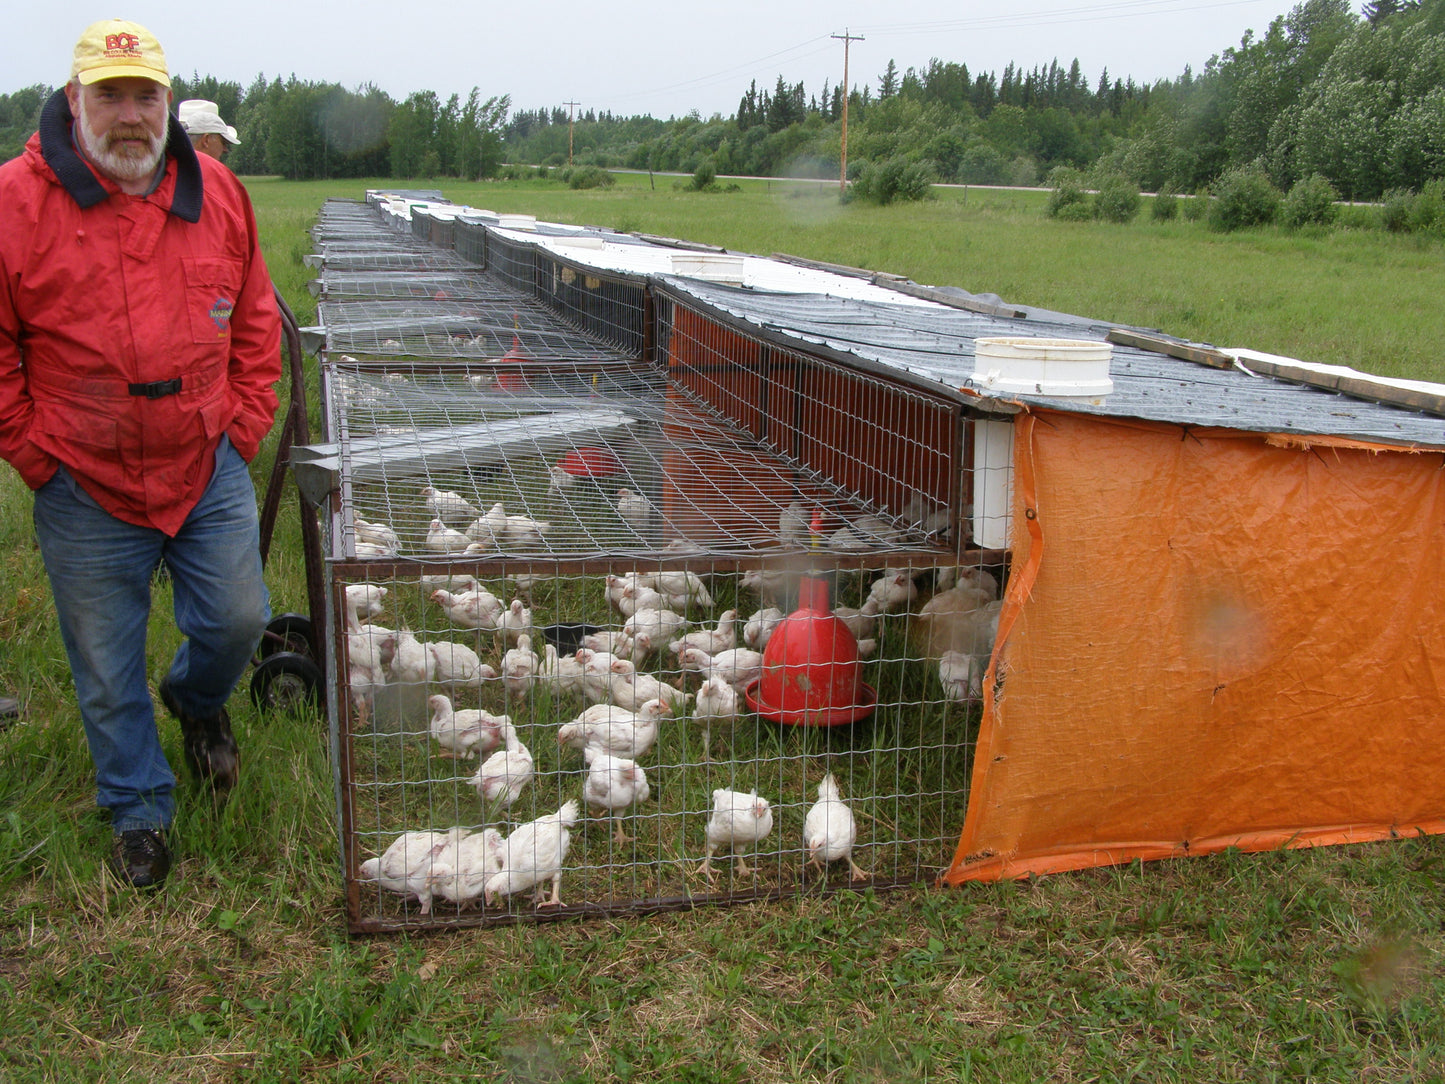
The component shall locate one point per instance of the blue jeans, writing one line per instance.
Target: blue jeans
(100, 572)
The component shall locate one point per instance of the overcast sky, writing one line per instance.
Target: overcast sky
(630, 57)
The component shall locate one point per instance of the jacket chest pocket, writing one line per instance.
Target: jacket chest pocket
(212, 284)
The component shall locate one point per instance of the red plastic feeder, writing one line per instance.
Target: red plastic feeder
(810, 673)
(590, 463)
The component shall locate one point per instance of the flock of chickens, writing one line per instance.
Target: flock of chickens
(627, 705)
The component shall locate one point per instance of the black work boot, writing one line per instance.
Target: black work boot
(140, 857)
(209, 745)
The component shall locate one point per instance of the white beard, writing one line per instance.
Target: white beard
(120, 162)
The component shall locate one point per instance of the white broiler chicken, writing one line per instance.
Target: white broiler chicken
(364, 601)
(481, 537)
(376, 534)
(863, 534)
(515, 621)
(445, 581)
(467, 733)
(461, 872)
(627, 595)
(559, 480)
(616, 730)
(408, 661)
(959, 619)
(829, 830)
(759, 628)
(596, 673)
(607, 641)
(629, 688)
(711, 640)
(635, 510)
(443, 539)
(492, 526)
(738, 821)
(561, 673)
(503, 775)
(793, 525)
(457, 665)
(862, 621)
(365, 669)
(716, 702)
(737, 666)
(967, 576)
(769, 584)
(406, 867)
(959, 675)
(680, 587)
(533, 855)
(524, 533)
(613, 785)
(476, 609)
(519, 668)
(893, 590)
(648, 630)
(449, 507)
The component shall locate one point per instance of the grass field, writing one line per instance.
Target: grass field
(1321, 965)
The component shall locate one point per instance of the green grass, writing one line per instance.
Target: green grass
(1306, 965)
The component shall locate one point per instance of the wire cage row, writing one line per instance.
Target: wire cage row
(631, 506)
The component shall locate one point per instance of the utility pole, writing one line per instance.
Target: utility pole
(846, 38)
(569, 106)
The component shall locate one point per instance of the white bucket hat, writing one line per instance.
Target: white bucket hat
(198, 116)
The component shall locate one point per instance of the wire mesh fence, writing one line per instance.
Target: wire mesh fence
(590, 549)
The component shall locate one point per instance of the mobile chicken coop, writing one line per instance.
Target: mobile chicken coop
(1170, 606)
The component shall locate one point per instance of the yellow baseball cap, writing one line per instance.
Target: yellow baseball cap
(115, 49)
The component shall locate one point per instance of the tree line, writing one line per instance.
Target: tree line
(1357, 98)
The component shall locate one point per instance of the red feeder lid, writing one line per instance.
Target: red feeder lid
(590, 463)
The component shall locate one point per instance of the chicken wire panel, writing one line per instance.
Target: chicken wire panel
(350, 285)
(570, 462)
(413, 763)
(387, 253)
(896, 450)
(610, 308)
(511, 329)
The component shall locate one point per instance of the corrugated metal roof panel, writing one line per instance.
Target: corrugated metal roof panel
(934, 346)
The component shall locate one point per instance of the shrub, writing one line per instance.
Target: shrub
(1427, 210)
(1078, 211)
(1395, 208)
(1066, 190)
(704, 178)
(1117, 199)
(1243, 197)
(1198, 207)
(893, 180)
(1165, 205)
(589, 177)
(1311, 202)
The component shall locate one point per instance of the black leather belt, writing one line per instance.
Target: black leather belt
(157, 389)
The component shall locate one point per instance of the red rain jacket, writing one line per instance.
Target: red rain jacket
(106, 301)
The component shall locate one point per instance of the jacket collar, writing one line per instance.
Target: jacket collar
(74, 173)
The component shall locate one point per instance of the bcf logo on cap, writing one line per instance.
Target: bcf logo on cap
(122, 43)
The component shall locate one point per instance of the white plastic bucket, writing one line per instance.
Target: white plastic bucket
(1043, 366)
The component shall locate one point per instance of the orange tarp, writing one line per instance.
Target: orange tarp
(1211, 639)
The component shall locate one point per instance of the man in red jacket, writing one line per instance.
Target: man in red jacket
(139, 350)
